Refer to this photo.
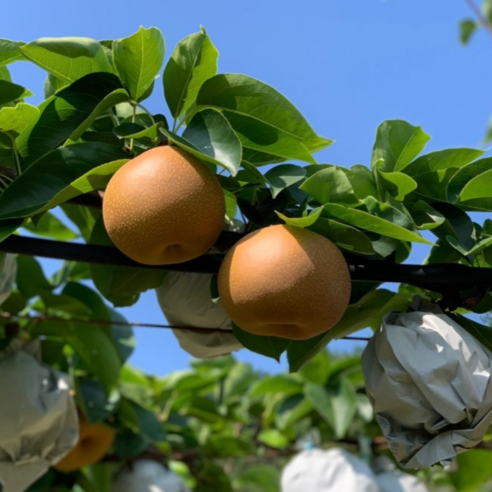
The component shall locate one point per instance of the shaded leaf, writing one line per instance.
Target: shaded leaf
(67, 164)
(283, 176)
(330, 185)
(67, 58)
(246, 96)
(343, 235)
(272, 347)
(10, 92)
(211, 134)
(68, 114)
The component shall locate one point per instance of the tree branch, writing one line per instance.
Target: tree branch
(450, 278)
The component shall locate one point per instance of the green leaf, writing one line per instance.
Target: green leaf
(292, 410)
(425, 216)
(5, 74)
(18, 118)
(398, 185)
(283, 176)
(227, 446)
(478, 187)
(366, 312)
(467, 29)
(83, 217)
(343, 235)
(284, 384)
(148, 424)
(362, 181)
(52, 85)
(9, 51)
(92, 345)
(481, 332)
(66, 163)
(330, 185)
(369, 222)
(302, 221)
(31, 281)
(95, 179)
(272, 347)
(434, 184)
(337, 406)
(211, 134)
(69, 114)
(8, 227)
(273, 438)
(138, 59)
(442, 160)
(263, 143)
(67, 58)
(258, 478)
(231, 203)
(132, 130)
(457, 224)
(50, 226)
(465, 175)
(193, 61)
(473, 469)
(251, 98)
(121, 285)
(10, 92)
(398, 143)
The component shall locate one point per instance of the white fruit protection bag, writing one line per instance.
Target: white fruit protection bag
(429, 382)
(185, 300)
(335, 470)
(8, 273)
(148, 476)
(38, 418)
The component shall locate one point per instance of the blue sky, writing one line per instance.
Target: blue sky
(347, 65)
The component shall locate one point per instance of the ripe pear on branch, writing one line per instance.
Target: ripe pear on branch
(285, 281)
(164, 207)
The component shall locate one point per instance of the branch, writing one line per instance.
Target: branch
(444, 278)
(482, 19)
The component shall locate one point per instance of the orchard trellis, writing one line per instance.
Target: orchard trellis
(62, 155)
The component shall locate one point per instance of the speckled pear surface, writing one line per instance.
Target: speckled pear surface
(164, 207)
(285, 281)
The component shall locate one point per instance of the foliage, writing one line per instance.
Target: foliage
(92, 121)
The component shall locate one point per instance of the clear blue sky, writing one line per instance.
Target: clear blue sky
(347, 65)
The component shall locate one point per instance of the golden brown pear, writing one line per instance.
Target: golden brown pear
(286, 282)
(94, 442)
(164, 207)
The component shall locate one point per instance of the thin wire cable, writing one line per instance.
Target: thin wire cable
(104, 322)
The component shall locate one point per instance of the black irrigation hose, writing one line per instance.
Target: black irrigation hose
(440, 278)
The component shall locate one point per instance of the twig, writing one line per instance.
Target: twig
(482, 19)
(105, 322)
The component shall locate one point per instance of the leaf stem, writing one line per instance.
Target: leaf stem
(482, 19)
(16, 155)
(134, 118)
(178, 123)
(114, 118)
(149, 114)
